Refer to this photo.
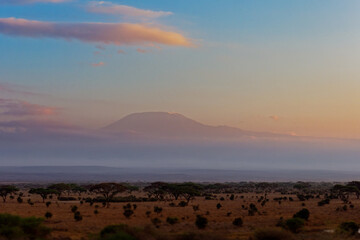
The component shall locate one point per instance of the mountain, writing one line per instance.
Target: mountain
(175, 125)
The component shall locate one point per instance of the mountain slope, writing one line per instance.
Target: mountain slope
(174, 125)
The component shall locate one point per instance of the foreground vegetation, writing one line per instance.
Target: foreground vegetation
(178, 211)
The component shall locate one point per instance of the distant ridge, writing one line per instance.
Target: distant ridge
(175, 125)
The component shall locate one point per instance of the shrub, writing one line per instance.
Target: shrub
(77, 216)
(96, 212)
(74, 209)
(238, 222)
(15, 227)
(196, 208)
(157, 209)
(114, 232)
(172, 220)
(48, 204)
(232, 197)
(156, 222)
(48, 215)
(148, 213)
(323, 202)
(303, 214)
(182, 204)
(218, 206)
(19, 199)
(294, 224)
(128, 212)
(272, 234)
(349, 227)
(201, 222)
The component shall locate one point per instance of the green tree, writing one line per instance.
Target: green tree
(108, 190)
(6, 190)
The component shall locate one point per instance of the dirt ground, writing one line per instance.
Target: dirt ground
(220, 220)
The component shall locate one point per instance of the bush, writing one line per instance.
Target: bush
(156, 222)
(74, 209)
(349, 227)
(15, 227)
(157, 209)
(19, 199)
(48, 204)
(77, 216)
(294, 224)
(117, 232)
(238, 222)
(182, 204)
(218, 206)
(272, 234)
(323, 202)
(172, 220)
(128, 212)
(303, 214)
(201, 222)
(48, 215)
(96, 212)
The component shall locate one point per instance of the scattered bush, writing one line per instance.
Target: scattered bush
(218, 206)
(157, 209)
(303, 214)
(294, 224)
(238, 222)
(172, 220)
(48, 215)
(48, 204)
(201, 222)
(77, 216)
(350, 228)
(74, 209)
(128, 212)
(182, 204)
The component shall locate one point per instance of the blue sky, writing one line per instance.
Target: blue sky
(296, 60)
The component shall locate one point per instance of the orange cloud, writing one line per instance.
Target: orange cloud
(99, 64)
(127, 11)
(274, 117)
(104, 33)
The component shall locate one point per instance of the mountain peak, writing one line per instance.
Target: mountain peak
(174, 125)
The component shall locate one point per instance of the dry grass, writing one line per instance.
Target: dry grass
(64, 225)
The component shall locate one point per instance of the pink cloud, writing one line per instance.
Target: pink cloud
(104, 33)
(120, 51)
(18, 108)
(32, 1)
(99, 64)
(140, 50)
(127, 11)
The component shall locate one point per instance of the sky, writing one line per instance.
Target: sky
(277, 66)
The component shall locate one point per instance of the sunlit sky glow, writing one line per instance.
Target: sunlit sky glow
(278, 66)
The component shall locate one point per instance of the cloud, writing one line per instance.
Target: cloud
(104, 33)
(18, 108)
(123, 10)
(99, 64)
(274, 117)
(120, 51)
(15, 2)
(140, 50)
(14, 89)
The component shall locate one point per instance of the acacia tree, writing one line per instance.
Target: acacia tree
(157, 190)
(6, 190)
(43, 192)
(189, 190)
(60, 188)
(108, 190)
